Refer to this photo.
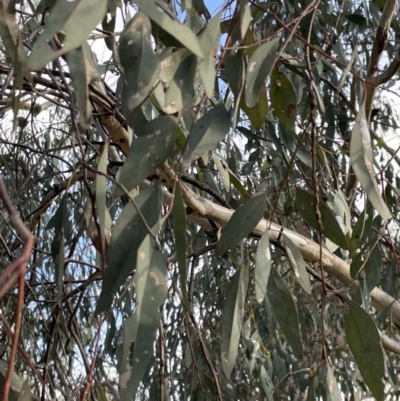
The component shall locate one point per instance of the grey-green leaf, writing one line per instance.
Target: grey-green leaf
(75, 19)
(148, 152)
(263, 267)
(11, 38)
(241, 224)
(180, 221)
(283, 98)
(364, 341)
(127, 235)
(362, 161)
(83, 71)
(171, 25)
(258, 69)
(285, 311)
(331, 228)
(207, 133)
(232, 319)
(141, 65)
(141, 328)
(297, 263)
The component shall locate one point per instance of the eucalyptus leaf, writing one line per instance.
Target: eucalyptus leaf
(362, 161)
(263, 267)
(140, 329)
(232, 319)
(297, 263)
(331, 228)
(148, 152)
(128, 234)
(140, 63)
(207, 132)
(241, 224)
(259, 68)
(283, 98)
(285, 311)
(75, 20)
(364, 341)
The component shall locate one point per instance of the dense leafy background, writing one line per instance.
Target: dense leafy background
(128, 138)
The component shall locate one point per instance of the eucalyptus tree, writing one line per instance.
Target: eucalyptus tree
(199, 204)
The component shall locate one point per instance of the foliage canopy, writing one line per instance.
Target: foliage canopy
(213, 197)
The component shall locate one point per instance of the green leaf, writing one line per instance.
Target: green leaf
(283, 98)
(373, 268)
(244, 17)
(241, 224)
(232, 319)
(180, 222)
(331, 228)
(141, 328)
(362, 162)
(127, 236)
(364, 341)
(285, 311)
(207, 133)
(267, 383)
(297, 263)
(311, 390)
(259, 113)
(362, 228)
(208, 39)
(330, 384)
(263, 267)
(62, 230)
(83, 71)
(101, 202)
(259, 68)
(181, 87)
(166, 20)
(141, 65)
(11, 39)
(75, 20)
(148, 152)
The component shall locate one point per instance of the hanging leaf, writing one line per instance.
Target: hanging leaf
(259, 68)
(331, 228)
(141, 328)
(365, 344)
(245, 17)
(127, 235)
(263, 267)
(362, 162)
(207, 133)
(180, 89)
(62, 230)
(267, 383)
(11, 39)
(241, 224)
(332, 392)
(180, 222)
(103, 213)
(283, 98)
(83, 71)
(141, 65)
(285, 311)
(232, 319)
(259, 113)
(65, 18)
(148, 152)
(166, 20)
(297, 263)
(208, 39)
